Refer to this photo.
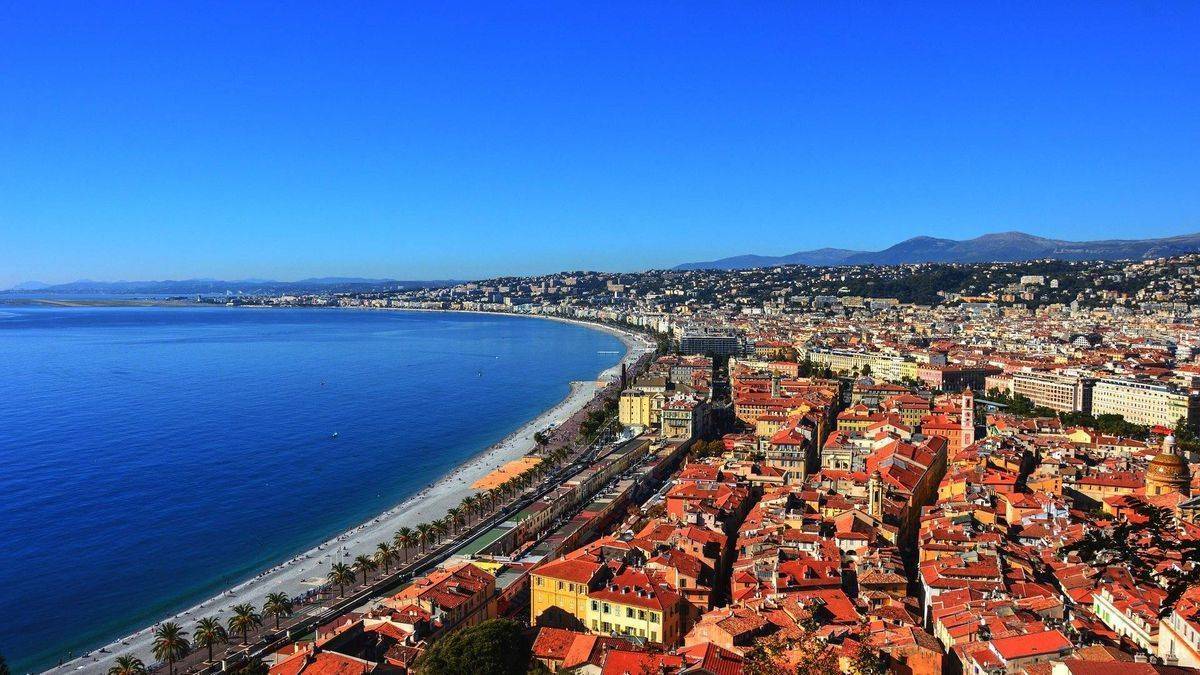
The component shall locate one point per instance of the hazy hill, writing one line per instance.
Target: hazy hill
(999, 247)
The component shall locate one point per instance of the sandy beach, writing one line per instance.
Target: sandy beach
(303, 573)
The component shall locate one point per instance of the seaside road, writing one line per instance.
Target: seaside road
(304, 624)
(564, 420)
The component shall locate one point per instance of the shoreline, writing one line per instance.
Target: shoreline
(307, 570)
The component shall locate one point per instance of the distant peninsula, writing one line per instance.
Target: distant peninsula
(232, 287)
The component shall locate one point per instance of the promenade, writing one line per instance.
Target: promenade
(304, 576)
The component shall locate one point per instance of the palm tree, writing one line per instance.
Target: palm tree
(209, 633)
(404, 539)
(452, 517)
(244, 620)
(365, 564)
(468, 505)
(440, 529)
(460, 516)
(341, 574)
(170, 644)
(384, 554)
(424, 534)
(277, 605)
(127, 665)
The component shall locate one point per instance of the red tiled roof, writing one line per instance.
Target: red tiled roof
(1031, 644)
(712, 658)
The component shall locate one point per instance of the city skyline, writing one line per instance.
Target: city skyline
(177, 143)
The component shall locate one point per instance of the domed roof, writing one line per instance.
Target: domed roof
(1164, 464)
(1168, 466)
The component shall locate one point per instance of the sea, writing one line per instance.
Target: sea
(151, 457)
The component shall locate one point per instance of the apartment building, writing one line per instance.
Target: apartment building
(1144, 402)
(636, 604)
(640, 408)
(1061, 392)
(710, 343)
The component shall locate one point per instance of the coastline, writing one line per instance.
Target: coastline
(307, 570)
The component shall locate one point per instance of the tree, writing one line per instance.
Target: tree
(496, 646)
(4, 666)
(209, 633)
(813, 654)
(170, 644)
(481, 504)
(248, 667)
(404, 539)
(468, 505)
(440, 529)
(453, 517)
(384, 554)
(1150, 550)
(123, 665)
(365, 564)
(341, 575)
(1186, 438)
(244, 620)
(277, 605)
(424, 535)
(869, 661)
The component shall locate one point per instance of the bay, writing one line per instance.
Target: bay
(153, 456)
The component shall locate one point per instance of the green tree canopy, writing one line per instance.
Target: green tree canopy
(497, 646)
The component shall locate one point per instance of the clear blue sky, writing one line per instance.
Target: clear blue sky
(167, 140)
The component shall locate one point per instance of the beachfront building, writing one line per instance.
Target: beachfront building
(723, 344)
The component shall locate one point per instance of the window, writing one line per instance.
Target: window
(595, 625)
(653, 636)
(642, 616)
(607, 608)
(571, 587)
(539, 581)
(653, 617)
(628, 612)
(560, 585)
(595, 606)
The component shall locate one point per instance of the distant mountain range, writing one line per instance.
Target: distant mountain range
(999, 247)
(218, 286)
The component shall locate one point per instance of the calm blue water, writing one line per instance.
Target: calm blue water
(151, 457)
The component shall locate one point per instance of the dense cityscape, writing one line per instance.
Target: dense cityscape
(934, 468)
(621, 338)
